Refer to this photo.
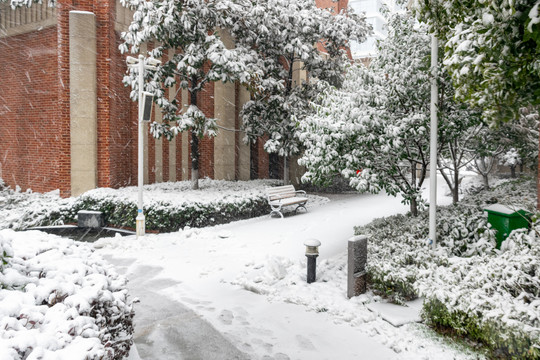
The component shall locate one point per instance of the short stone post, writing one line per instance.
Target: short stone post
(90, 219)
(312, 252)
(357, 259)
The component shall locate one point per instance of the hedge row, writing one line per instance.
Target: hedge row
(469, 286)
(166, 217)
(161, 216)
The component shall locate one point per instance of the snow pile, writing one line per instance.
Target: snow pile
(58, 300)
(21, 210)
(284, 280)
(487, 294)
(180, 193)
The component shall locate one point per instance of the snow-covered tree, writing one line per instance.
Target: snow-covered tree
(375, 131)
(458, 128)
(288, 37)
(492, 50)
(487, 147)
(512, 143)
(520, 138)
(511, 159)
(192, 29)
(19, 3)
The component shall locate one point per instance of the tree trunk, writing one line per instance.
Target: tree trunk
(513, 171)
(414, 207)
(194, 161)
(194, 141)
(483, 169)
(455, 190)
(286, 180)
(485, 180)
(414, 204)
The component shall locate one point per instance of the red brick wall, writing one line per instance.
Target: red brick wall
(337, 6)
(123, 125)
(30, 140)
(63, 125)
(35, 111)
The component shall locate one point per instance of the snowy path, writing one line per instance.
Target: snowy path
(247, 281)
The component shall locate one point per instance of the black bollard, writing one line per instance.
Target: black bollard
(312, 252)
(311, 268)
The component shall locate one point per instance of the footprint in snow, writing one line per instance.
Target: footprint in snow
(305, 343)
(277, 356)
(226, 317)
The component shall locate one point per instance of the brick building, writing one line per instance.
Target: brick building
(67, 120)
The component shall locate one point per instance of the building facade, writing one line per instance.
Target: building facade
(375, 17)
(68, 122)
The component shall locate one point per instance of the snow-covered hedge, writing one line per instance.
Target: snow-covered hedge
(24, 209)
(167, 206)
(172, 206)
(489, 295)
(58, 300)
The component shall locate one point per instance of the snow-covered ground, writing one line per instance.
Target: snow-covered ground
(248, 280)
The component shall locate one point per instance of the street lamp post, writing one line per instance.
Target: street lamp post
(140, 64)
(433, 144)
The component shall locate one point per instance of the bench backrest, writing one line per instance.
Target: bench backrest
(280, 192)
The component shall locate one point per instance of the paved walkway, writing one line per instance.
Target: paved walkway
(166, 329)
(188, 308)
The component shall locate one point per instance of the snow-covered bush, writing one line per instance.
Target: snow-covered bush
(58, 300)
(487, 294)
(168, 206)
(6, 252)
(172, 206)
(494, 299)
(23, 209)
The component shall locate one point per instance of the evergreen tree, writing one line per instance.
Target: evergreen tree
(492, 50)
(292, 39)
(375, 131)
(192, 29)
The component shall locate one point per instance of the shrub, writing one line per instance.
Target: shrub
(59, 300)
(489, 295)
(168, 206)
(167, 217)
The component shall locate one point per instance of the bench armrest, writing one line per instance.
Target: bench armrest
(300, 192)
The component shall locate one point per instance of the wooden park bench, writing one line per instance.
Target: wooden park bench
(280, 196)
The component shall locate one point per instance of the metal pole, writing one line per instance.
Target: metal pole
(433, 144)
(140, 225)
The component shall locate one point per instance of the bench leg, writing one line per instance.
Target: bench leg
(300, 206)
(276, 210)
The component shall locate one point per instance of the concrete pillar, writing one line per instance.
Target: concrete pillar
(83, 101)
(224, 110)
(295, 171)
(185, 140)
(356, 267)
(225, 141)
(244, 151)
(299, 75)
